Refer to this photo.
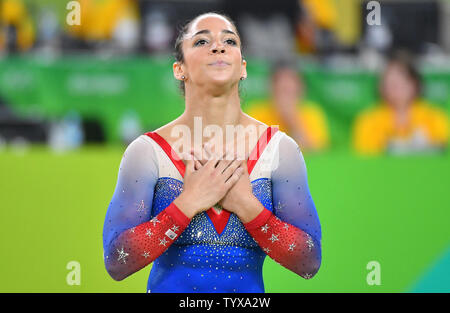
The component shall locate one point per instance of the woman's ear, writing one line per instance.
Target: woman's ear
(244, 69)
(178, 72)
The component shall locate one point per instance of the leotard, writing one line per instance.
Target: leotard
(212, 252)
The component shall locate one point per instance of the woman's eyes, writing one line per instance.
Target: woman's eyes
(201, 42)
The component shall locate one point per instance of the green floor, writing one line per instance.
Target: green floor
(395, 211)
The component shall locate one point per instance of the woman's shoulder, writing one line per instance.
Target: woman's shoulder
(141, 145)
(165, 130)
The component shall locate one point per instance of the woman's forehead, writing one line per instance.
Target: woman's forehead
(210, 22)
(395, 70)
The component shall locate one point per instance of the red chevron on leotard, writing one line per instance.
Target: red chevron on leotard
(219, 220)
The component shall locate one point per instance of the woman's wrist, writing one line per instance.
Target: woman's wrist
(250, 210)
(186, 205)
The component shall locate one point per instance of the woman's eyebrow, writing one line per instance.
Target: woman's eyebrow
(207, 31)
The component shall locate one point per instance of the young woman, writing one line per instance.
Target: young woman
(403, 122)
(208, 220)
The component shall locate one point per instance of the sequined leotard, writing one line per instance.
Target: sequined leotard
(213, 252)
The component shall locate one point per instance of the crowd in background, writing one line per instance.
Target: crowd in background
(130, 26)
(276, 31)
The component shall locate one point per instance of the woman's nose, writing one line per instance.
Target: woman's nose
(217, 47)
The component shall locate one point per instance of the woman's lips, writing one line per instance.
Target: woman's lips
(219, 63)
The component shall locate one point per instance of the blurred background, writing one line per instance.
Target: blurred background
(362, 86)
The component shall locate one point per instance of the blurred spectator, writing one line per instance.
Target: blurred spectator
(316, 27)
(403, 122)
(17, 32)
(48, 30)
(67, 133)
(115, 22)
(303, 120)
(158, 32)
(267, 28)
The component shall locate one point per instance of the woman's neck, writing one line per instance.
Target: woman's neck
(220, 110)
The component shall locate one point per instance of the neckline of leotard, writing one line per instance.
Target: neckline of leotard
(251, 161)
(219, 220)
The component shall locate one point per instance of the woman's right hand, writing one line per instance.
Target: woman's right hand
(204, 187)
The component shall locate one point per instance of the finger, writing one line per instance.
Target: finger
(198, 165)
(235, 177)
(214, 158)
(198, 156)
(223, 164)
(189, 163)
(228, 172)
(244, 164)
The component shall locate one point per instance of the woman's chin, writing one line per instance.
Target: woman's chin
(222, 80)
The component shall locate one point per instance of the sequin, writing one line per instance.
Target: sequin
(122, 256)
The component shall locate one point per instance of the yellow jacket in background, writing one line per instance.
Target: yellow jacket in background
(375, 127)
(14, 13)
(99, 18)
(309, 115)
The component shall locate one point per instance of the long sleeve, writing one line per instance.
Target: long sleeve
(132, 237)
(291, 234)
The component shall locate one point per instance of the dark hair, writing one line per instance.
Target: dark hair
(178, 53)
(285, 63)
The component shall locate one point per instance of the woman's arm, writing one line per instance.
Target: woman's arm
(291, 235)
(132, 237)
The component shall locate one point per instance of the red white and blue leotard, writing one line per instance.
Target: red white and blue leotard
(213, 252)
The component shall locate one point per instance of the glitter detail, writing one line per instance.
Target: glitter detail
(307, 276)
(279, 207)
(273, 238)
(309, 242)
(155, 221)
(142, 207)
(201, 249)
(122, 255)
(291, 247)
(218, 208)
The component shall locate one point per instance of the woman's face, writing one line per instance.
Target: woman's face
(286, 86)
(212, 53)
(399, 90)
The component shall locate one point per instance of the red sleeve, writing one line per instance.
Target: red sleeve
(137, 247)
(286, 244)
